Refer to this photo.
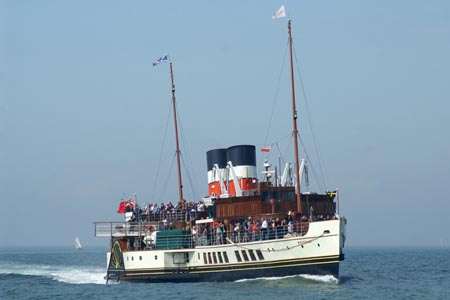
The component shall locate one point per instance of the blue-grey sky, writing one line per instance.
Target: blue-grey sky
(83, 113)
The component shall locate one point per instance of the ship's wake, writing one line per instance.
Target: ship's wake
(65, 274)
(319, 278)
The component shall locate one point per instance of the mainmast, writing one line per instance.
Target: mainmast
(294, 120)
(180, 183)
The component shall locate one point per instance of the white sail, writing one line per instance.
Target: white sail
(77, 244)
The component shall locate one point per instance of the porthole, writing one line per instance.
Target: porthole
(140, 257)
(132, 258)
(156, 257)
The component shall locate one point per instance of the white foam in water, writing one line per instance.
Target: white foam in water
(89, 275)
(77, 276)
(322, 278)
(74, 275)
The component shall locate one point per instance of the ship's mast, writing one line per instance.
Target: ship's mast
(180, 183)
(294, 120)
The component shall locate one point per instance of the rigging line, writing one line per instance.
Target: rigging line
(278, 141)
(280, 152)
(276, 94)
(188, 163)
(289, 147)
(167, 177)
(321, 184)
(188, 166)
(277, 144)
(188, 175)
(287, 136)
(310, 119)
(161, 153)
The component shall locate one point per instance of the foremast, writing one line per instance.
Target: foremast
(178, 153)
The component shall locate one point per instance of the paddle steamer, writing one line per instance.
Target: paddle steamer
(247, 229)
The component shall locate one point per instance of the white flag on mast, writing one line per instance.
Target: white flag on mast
(280, 13)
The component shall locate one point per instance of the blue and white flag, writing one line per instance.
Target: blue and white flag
(163, 58)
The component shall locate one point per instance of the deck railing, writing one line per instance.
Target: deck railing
(173, 215)
(109, 229)
(135, 233)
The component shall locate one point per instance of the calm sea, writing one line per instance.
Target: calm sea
(367, 273)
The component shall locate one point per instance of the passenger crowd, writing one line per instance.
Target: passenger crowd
(250, 230)
(219, 232)
(170, 212)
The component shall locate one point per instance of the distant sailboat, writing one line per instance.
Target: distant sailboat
(78, 244)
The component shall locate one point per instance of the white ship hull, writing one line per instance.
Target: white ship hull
(318, 252)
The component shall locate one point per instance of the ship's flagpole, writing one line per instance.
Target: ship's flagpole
(180, 183)
(294, 120)
(281, 13)
(162, 59)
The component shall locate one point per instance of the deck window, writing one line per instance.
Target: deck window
(252, 255)
(204, 258)
(244, 254)
(214, 257)
(238, 256)
(225, 257)
(219, 255)
(260, 255)
(209, 258)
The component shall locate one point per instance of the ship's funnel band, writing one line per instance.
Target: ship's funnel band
(217, 175)
(242, 155)
(244, 172)
(216, 157)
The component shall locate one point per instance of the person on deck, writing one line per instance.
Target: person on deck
(264, 226)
